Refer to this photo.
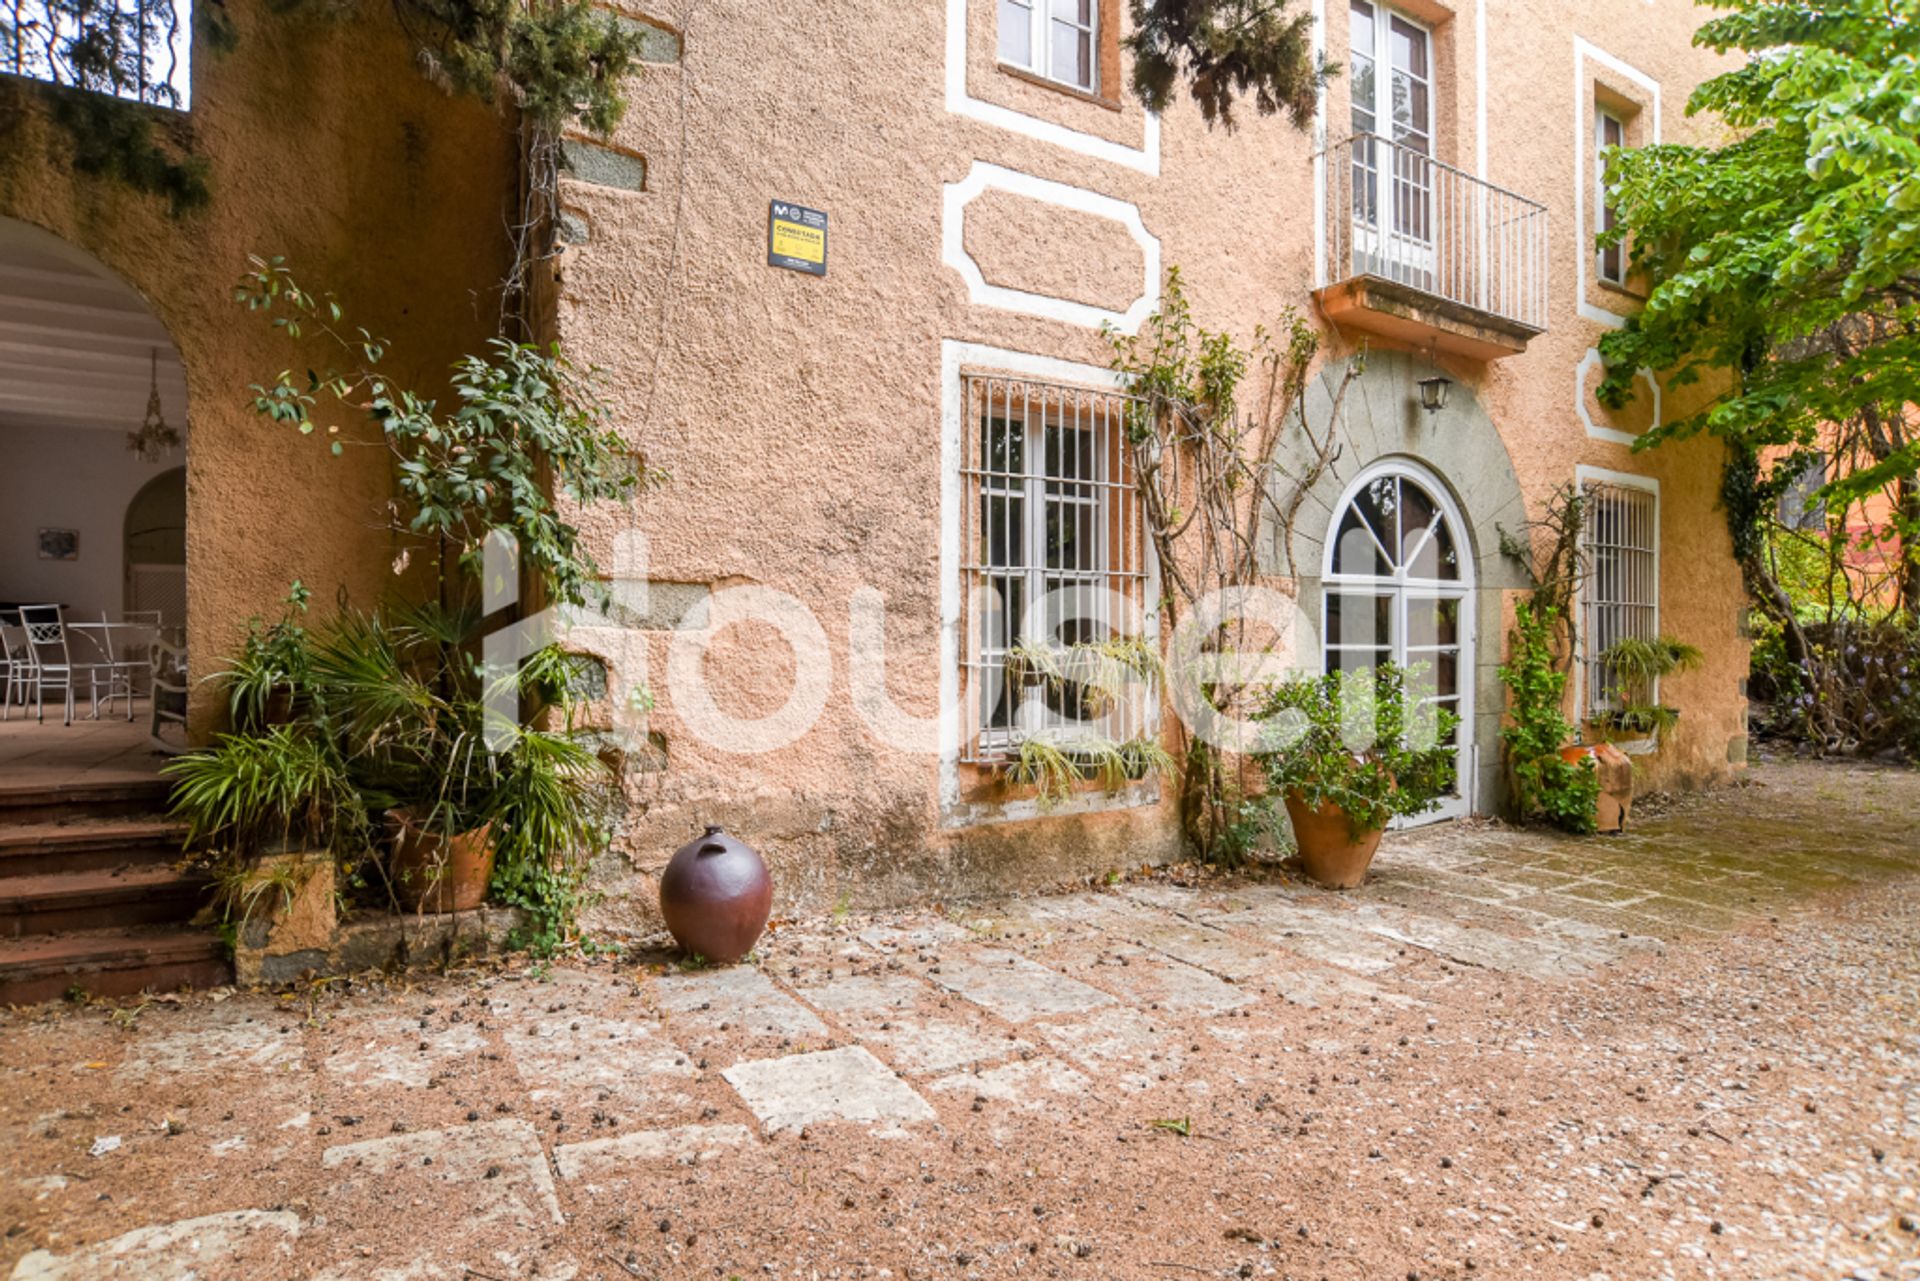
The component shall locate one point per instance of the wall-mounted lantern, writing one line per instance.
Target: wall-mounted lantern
(1433, 393)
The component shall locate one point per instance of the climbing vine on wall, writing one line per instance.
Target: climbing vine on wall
(1217, 490)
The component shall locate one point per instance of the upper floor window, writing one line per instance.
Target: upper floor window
(1609, 130)
(132, 49)
(1057, 39)
(1392, 77)
(1392, 115)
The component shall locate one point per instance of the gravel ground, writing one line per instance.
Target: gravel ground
(1690, 1052)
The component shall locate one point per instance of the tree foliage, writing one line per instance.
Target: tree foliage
(1225, 50)
(529, 425)
(1784, 264)
(555, 62)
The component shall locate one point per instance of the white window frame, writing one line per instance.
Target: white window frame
(1401, 587)
(1602, 116)
(1040, 35)
(1391, 243)
(1586, 479)
(1119, 554)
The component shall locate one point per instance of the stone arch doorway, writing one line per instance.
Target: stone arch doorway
(88, 372)
(154, 557)
(1460, 461)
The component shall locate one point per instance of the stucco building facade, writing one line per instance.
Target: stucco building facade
(871, 455)
(986, 219)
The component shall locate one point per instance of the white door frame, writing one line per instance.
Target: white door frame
(1386, 244)
(1400, 586)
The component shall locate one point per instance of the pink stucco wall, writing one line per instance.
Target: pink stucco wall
(801, 417)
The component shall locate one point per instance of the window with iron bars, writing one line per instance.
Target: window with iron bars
(139, 50)
(1054, 559)
(1620, 539)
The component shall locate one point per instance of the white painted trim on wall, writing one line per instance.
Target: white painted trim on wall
(1582, 474)
(1320, 149)
(956, 356)
(955, 196)
(1480, 90)
(1595, 430)
(1583, 52)
(1145, 157)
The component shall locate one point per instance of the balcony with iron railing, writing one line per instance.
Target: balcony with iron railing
(1427, 255)
(135, 50)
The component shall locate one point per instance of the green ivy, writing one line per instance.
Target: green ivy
(1550, 788)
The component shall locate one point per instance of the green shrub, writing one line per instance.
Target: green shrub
(1361, 740)
(1549, 788)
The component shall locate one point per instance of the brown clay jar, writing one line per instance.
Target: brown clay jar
(716, 896)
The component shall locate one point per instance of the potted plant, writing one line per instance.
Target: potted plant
(1347, 753)
(269, 674)
(1636, 665)
(459, 785)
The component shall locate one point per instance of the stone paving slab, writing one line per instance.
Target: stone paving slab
(1204, 948)
(912, 1025)
(846, 1084)
(234, 1243)
(629, 1068)
(395, 1050)
(1147, 979)
(1012, 986)
(226, 1038)
(1037, 1084)
(741, 998)
(1317, 933)
(687, 1144)
(499, 1167)
(1540, 956)
(1126, 1047)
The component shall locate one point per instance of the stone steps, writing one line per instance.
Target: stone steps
(57, 902)
(35, 849)
(123, 961)
(90, 894)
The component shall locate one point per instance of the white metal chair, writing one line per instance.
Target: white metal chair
(53, 664)
(167, 675)
(18, 657)
(137, 649)
(117, 671)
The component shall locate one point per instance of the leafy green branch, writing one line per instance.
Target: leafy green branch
(528, 427)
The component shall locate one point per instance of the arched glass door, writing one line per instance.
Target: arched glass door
(1398, 586)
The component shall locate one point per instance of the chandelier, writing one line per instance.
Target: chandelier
(155, 439)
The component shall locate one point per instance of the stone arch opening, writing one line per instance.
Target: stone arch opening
(93, 425)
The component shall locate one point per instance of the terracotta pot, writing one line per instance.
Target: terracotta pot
(1327, 847)
(437, 873)
(716, 896)
(279, 707)
(1615, 768)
